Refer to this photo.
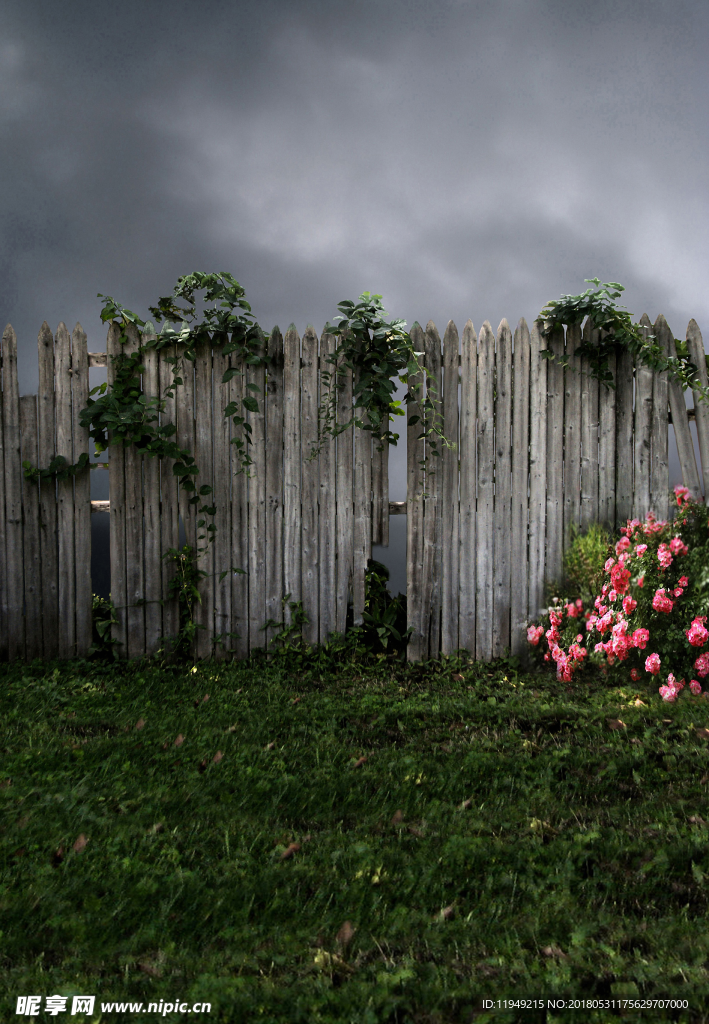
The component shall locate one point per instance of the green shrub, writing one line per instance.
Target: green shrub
(583, 564)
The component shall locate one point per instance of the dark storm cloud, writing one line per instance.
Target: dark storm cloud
(462, 159)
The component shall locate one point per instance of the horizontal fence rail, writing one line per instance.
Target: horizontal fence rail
(539, 450)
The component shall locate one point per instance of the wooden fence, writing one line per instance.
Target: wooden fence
(539, 448)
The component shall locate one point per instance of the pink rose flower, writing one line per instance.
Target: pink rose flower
(663, 556)
(641, 581)
(695, 687)
(634, 675)
(662, 603)
(620, 578)
(678, 547)
(629, 604)
(702, 665)
(640, 638)
(534, 634)
(652, 664)
(683, 581)
(640, 550)
(697, 634)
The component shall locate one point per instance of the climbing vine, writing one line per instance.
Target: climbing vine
(125, 411)
(599, 306)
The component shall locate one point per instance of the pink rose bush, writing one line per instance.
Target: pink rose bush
(650, 618)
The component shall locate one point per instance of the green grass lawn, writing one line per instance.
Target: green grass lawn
(371, 843)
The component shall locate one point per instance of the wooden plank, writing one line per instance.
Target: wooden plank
(450, 461)
(572, 434)
(589, 437)
(380, 495)
(502, 519)
(170, 517)
(680, 423)
(660, 470)
(203, 458)
(274, 483)
(362, 525)
(485, 525)
(310, 483)
(607, 398)
(240, 509)
(624, 460)
(256, 490)
(538, 367)
(468, 502)
(414, 506)
(65, 497)
(48, 494)
(135, 550)
(432, 553)
(642, 431)
(328, 506)
(555, 461)
(3, 551)
(695, 347)
(117, 492)
(152, 512)
(345, 476)
(31, 549)
(184, 403)
(82, 495)
(13, 498)
(519, 575)
(221, 499)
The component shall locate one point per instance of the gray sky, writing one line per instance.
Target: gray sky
(463, 159)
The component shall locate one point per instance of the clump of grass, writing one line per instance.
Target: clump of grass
(583, 564)
(374, 841)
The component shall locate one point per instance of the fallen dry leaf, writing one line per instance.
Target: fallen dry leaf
(695, 819)
(702, 734)
(345, 934)
(157, 828)
(217, 757)
(466, 805)
(554, 951)
(416, 832)
(80, 843)
(358, 764)
(488, 969)
(290, 850)
(152, 971)
(615, 723)
(447, 913)
(459, 677)
(232, 728)
(296, 700)
(180, 740)
(269, 746)
(140, 723)
(397, 818)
